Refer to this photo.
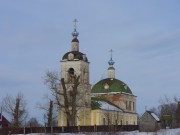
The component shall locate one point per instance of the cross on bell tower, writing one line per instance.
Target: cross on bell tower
(111, 52)
(75, 33)
(75, 23)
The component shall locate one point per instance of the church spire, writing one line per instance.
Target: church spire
(75, 41)
(111, 69)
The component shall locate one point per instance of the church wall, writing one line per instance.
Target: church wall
(62, 120)
(100, 117)
(105, 117)
(84, 116)
(130, 119)
(80, 68)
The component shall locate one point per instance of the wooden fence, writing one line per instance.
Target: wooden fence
(71, 129)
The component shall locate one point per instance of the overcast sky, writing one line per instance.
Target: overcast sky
(144, 34)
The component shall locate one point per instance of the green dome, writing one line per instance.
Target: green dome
(110, 85)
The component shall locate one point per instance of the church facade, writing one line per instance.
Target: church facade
(109, 101)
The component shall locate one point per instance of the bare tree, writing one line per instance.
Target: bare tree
(33, 122)
(65, 99)
(15, 107)
(178, 115)
(168, 106)
(49, 112)
(176, 99)
(156, 110)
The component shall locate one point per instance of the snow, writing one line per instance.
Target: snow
(155, 116)
(105, 106)
(161, 132)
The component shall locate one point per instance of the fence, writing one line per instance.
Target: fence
(70, 129)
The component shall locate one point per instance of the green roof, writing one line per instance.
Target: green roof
(110, 85)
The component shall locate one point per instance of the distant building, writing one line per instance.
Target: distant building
(178, 115)
(3, 121)
(110, 101)
(149, 122)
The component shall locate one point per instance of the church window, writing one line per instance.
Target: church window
(129, 105)
(121, 122)
(71, 71)
(126, 122)
(104, 121)
(133, 106)
(126, 105)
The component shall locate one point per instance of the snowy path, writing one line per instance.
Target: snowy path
(161, 132)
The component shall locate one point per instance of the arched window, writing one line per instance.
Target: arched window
(121, 122)
(126, 105)
(71, 71)
(133, 106)
(130, 105)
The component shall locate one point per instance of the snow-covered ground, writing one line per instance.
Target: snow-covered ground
(161, 132)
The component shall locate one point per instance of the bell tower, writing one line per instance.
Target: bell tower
(75, 63)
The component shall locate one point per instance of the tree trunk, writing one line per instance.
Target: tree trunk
(74, 98)
(71, 113)
(16, 113)
(50, 113)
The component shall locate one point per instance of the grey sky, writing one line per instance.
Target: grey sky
(144, 34)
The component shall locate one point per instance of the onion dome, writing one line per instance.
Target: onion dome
(111, 62)
(110, 85)
(75, 33)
